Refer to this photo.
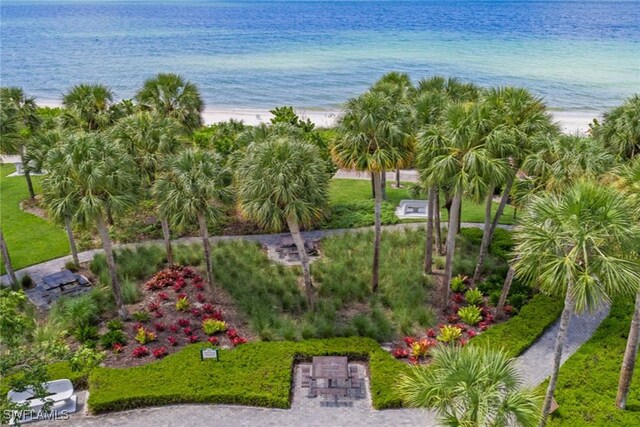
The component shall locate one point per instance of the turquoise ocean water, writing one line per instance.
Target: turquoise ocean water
(578, 55)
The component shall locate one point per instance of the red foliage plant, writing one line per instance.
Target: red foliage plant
(174, 328)
(213, 340)
(232, 333)
(154, 305)
(432, 333)
(159, 326)
(236, 341)
(200, 297)
(400, 353)
(160, 352)
(140, 351)
(458, 298)
(187, 330)
(195, 312)
(163, 296)
(173, 341)
(193, 338)
(184, 322)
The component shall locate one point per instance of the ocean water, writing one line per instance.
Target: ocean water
(578, 55)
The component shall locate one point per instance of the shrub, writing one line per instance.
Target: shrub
(457, 284)
(115, 325)
(141, 316)
(75, 312)
(439, 262)
(144, 336)
(140, 351)
(212, 326)
(86, 333)
(26, 282)
(182, 304)
(112, 337)
(473, 297)
(449, 334)
(160, 352)
(470, 314)
(71, 266)
(517, 301)
(501, 243)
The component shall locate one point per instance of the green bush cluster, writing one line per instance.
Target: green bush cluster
(588, 381)
(256, 374)
(359, 214)
(521, 331)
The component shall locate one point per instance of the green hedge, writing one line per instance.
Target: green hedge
(521, 331)
(257, 374)
(588, 381)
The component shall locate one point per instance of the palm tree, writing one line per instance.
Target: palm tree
(430, 100)
(620, 129)
(285, 181)
(150, 139)
(191, 189)
(519, 119)
(88, 107)
(628, 180)
(26, 121)
(472, 386)
(170, 95)
(577, 245)
(371, 139)
(6, 259)
(88, 176)
(459, 160)
(36, 155)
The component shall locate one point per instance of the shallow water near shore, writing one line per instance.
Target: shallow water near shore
(579, 56)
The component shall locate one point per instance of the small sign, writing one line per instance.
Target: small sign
(209, 353)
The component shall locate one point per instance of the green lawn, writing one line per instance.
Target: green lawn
(348, 191)
(588, 381)
(30, 239)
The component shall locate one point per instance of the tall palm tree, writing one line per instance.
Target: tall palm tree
(620, 129)
(191, 189)
(459, 160)
(578, 245)
(518, 120)
(285, 181)
(472, 386)
(628, 180)
(371, 139)
(28, 122)
(430, 100)
(149, 139)
(88, 107)
(36, 156)
(88, 176)
(170, 95)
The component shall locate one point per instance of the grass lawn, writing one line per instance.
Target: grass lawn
(349, 191)
(30, 239)
(588, 381)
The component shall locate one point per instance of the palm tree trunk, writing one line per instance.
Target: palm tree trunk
(459, 220)
(503, 202)
(398, 177)
(373, 186)
(109, 216)
(204, 232)
(383, 183)
(486, 237)
(111, 263)
(428, 252)
(557, 357)
(27, 176)
(377, 177)
(294, 229)
(438, 227)
(451, 247)
(7, 260)
(72, 241)
(166, 235)
(505, 292)
(630, 355)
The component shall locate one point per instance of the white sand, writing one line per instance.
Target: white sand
(569, 121)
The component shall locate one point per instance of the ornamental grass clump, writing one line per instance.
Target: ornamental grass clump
(470, 315)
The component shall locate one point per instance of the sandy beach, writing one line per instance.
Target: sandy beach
(569, 121)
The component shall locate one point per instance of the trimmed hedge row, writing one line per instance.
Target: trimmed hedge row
(588, 381)
(256, 374)
(520, 332)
